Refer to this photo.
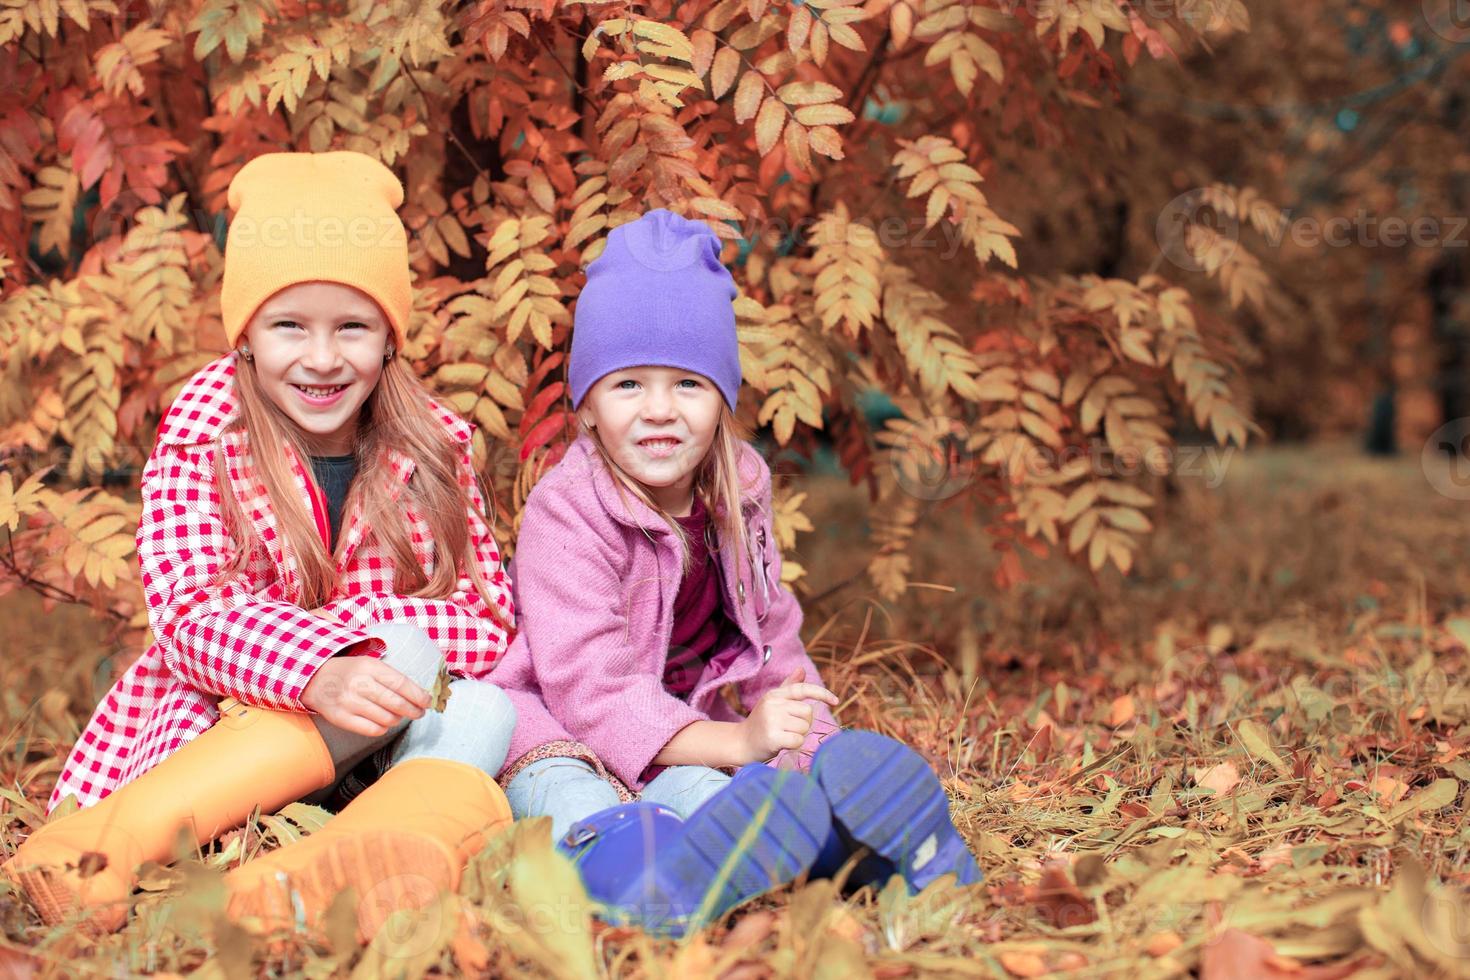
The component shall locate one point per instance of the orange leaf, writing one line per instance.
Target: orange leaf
(1122, 711)
(1238, 955)
(1220, 778)
(1019, 964)
(704, 51)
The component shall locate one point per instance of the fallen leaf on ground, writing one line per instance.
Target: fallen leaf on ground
(1238, 955)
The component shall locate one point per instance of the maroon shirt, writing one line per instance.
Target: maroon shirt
(698, 616)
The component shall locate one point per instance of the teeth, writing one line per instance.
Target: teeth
(321, 392)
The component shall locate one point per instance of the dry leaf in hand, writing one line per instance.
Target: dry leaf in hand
(439, 692)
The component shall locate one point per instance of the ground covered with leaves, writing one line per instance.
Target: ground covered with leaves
(1246, 760)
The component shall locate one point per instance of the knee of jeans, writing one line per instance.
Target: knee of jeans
(693, 774)
(480, 702)
(410, 651)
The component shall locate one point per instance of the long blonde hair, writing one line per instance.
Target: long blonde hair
(716, 482)
(396, 415)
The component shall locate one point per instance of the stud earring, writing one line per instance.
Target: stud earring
(388, 354)
(245, 350)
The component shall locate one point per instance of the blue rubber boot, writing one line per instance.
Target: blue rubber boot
(757, 834)
(869, 870)
(612, 848)
(646, 867)
(885, 797)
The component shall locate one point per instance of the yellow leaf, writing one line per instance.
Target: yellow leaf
(826, 114)
(847, 37)
(748, 96)
(679, 46)
(797, 148)
(826, 141)
(808, 93)
(768, 124)
(716, 208)
(1256, 742)
(722, 73)
(16, 504)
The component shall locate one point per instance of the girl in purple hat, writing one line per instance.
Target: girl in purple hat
(648, 580)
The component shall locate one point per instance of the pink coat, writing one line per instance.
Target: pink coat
(595, 575)
(251, 640)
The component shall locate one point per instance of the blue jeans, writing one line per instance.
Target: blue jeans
(474, 727)
(568, 790)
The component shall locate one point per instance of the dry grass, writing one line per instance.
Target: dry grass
(1246, 760)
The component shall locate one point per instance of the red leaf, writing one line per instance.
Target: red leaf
(551, 362)
(539, 405)
(544, 432)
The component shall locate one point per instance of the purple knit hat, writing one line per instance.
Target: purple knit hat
(657, 295)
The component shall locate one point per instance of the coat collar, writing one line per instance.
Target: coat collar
(206, 406)
(624, 507)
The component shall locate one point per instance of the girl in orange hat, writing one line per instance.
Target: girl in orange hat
(314, 552)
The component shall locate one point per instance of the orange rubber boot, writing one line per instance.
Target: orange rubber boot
(398, 844)
(251, 757)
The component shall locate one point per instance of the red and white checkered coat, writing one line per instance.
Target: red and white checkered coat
(249, 639)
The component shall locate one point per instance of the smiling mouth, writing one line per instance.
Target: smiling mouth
(659, 442)
(319, 391)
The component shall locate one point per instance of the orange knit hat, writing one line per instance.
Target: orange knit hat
(315, 217)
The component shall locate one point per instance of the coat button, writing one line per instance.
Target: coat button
(766, 654)
(740, 591)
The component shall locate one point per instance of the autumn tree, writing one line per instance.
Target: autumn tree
(903, 187)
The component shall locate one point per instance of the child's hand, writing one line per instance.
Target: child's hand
(363, 695)
(783, 717)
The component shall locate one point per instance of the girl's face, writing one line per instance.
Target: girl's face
(319, 350)
(658, 424)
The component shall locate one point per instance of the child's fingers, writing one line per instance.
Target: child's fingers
(789, 740)
(809, 692)
(349, 721)
(797, 727)
(397, 682)
(393, 702)
(364, 707)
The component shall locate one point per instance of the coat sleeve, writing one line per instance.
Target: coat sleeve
(472, 633)
(223, 639)
(574, 615)
(781, 631)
